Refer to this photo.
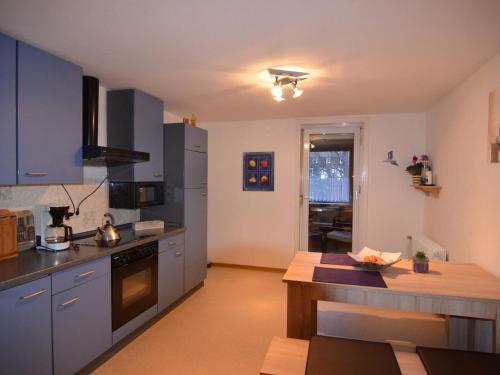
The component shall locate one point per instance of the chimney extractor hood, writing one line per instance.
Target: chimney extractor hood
(92, 153)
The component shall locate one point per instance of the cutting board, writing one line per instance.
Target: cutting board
(8, 235)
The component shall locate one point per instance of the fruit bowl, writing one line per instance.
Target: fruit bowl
(374, 260)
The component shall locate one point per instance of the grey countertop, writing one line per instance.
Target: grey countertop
(34, 264)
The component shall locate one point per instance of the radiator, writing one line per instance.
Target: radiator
(434, 251)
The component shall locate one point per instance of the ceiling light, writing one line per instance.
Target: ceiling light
(277, 90)
(283, 78)
(296, 91)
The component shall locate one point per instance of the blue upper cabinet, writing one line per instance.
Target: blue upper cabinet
(148, 136)
(7, 110)
(135, 121)
(49, 123)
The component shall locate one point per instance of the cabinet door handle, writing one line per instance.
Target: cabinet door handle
(204, 194)
(197, 146)
(178, 253)
(172, 243)
(157, 174)
(33, 295)
(69, 302)
(36, 174)
(84, 274)
(203, 182)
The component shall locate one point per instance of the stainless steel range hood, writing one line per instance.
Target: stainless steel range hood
(92, 153)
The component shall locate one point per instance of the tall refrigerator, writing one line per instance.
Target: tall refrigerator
(185, 172)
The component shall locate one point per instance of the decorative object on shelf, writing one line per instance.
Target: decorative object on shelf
(415, 170)
(494, 125)
(185, 120)
(426, 174)
(193, 120)
(390, 159)
(282, 78)
(420, 262)
(258, 171)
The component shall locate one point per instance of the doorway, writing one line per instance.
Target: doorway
(330, 189)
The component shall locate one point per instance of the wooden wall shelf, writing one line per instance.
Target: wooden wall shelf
(428, 189)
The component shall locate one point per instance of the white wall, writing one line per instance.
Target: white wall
(261, 228)
(92, 210)
(395, 209)
(465, 218)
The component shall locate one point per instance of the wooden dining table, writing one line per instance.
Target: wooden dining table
(452, 289)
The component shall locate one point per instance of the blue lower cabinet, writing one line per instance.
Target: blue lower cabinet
(81, 324)
(25, 329)
(170, 276)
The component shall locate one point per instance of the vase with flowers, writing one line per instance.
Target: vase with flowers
(415, 170)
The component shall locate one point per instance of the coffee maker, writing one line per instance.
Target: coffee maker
(51, 232)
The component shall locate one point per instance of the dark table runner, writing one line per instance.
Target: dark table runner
(457, 362)
(333, 355)
(350, 277)
(338, 260)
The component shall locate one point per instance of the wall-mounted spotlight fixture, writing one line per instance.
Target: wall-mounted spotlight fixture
(283, 78)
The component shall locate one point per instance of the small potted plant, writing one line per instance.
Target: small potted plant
(420, 262)
(415, 169)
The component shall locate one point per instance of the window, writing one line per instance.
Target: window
(329, 177)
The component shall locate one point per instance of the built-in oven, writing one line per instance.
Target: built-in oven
(134, 282)
(133, 195)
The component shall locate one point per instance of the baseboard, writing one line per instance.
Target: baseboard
(245, 267)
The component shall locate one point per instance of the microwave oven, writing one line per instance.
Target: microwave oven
(134, 195)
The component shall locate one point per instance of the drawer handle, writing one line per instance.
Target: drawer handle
(85, 274)
(197, 146)
(69, 302)
(33, 295)
(204, 194)
(203, 182)
(36, 174)
(172, 243)
(178, 253)
(157, 174)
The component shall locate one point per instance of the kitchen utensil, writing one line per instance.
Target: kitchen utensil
(108, 235)
(8, 235)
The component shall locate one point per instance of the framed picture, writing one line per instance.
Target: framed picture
(258, 171)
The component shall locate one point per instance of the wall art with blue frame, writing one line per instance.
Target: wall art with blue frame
(258, 171)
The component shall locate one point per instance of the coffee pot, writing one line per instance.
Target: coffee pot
(57, 235)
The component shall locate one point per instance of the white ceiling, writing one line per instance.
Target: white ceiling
(366, 56)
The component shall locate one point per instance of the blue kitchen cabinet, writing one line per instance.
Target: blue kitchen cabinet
(170, 271)
(49, 122)
(81, 324)
(7, 110)
(25, 331)
(195, 214)
(135, 122)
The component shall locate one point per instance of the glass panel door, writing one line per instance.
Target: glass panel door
(329, 189)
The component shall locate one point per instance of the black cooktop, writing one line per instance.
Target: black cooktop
(127, 235)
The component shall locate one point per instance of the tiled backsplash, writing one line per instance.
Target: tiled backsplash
(91, 211)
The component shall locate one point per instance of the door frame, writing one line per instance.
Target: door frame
(359, 179)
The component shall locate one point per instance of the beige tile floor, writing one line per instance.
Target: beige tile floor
(226, 327)
(223, 328)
